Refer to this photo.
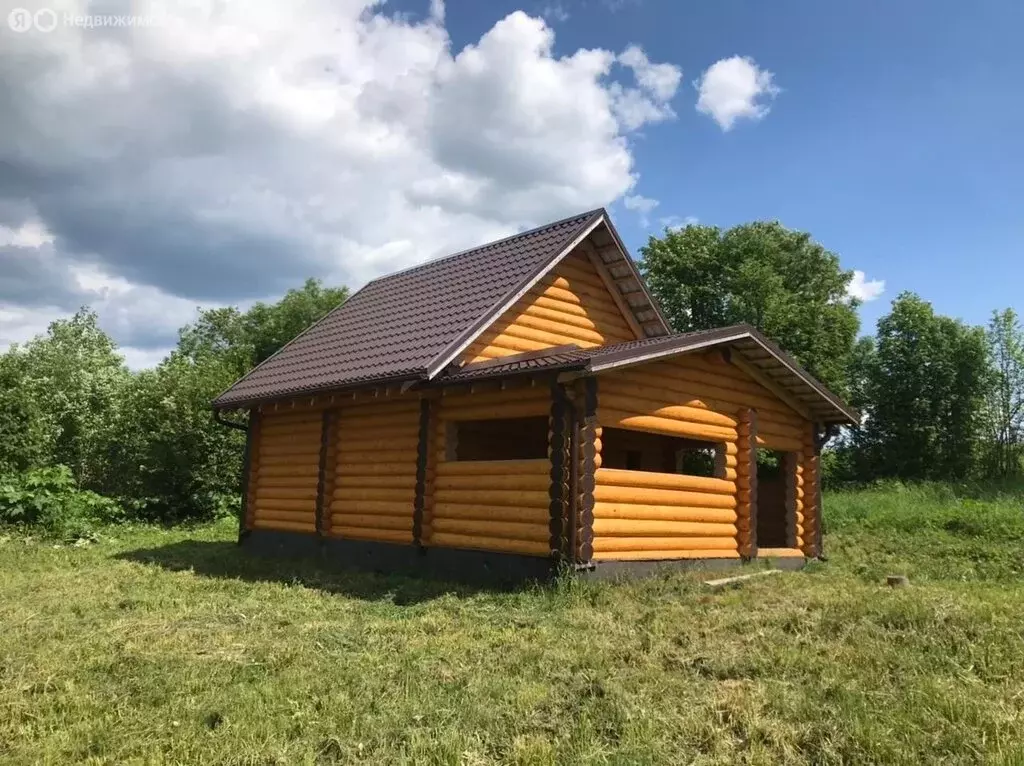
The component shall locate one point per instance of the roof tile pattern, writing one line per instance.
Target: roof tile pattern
(398, 325)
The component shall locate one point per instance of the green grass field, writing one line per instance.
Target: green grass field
(158, 646)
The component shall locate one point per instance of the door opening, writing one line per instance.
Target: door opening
(776, 506)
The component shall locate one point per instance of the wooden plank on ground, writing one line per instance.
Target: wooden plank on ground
(729, 582)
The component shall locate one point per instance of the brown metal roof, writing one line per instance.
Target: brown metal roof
(411, 324)
(768, 360)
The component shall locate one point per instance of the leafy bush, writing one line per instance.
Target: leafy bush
(50, 500)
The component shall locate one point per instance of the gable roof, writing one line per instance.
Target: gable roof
(760, 357)
(410, 325)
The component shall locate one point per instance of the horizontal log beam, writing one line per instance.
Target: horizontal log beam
(284, 526)
(501, 545)
(371, 521)
(665, 555)
(651, 528)
(380, 535)
(654, 480)
(492, 497)
(491, 513)
(608, 544)
(348, 481)
(538, 533)
(351, 460)
(373, 507)
(638, 496)
(639, 422)
(612, 511)
(665, 409)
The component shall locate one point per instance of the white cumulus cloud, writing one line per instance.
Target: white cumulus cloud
(735, 88)
(641, 205)
(676, 222)
(231, 150)
(865, 289)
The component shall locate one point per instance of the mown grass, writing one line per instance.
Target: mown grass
(156, 646)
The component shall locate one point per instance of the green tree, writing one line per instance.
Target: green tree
(270, 326)
(244, 339)
(23, 430)
(178, 462)
(1004, 400)
(923, 389)
(75, 378)
(779, 280)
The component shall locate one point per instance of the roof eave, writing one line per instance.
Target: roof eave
(259, 401)
(676, 345)
(655, 305)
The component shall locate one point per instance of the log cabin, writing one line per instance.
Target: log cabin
(523, 407)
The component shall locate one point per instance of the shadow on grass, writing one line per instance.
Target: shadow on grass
(227, 560)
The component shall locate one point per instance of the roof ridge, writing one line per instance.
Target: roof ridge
(492, 243)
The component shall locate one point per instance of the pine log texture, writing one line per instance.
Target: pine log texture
(569, 305)
(375, 470)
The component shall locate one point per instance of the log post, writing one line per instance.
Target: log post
(426, 461)
(746, 483)
(559, 443)
(799, 505)
(588, 457)
(323, 494)
(811, 541)
(789, 475)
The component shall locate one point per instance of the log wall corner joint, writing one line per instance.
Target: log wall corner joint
(586, 457)
(326, 423)
(753, 483)
(789, 466)
(422, 448)
(558, 492)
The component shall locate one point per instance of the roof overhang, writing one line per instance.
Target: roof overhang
(324, 393)
(606, 245)
(765, 362)
(745, 347)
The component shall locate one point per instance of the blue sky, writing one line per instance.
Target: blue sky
(897, 139)
(222, 153)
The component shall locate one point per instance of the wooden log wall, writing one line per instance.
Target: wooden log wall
(492, 505)
(648, 515)
(285, 471)
(746, 483)
(374, 485)
(328, 459)
(644, 515)
(570, 305)
(811, 509)
(708, 383)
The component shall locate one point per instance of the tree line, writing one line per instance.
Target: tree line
(939, 399)
(77, 425)
(80, 432)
